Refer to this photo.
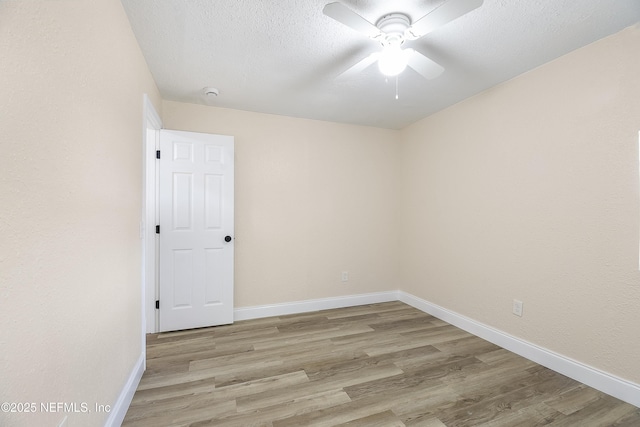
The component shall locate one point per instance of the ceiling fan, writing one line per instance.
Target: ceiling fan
(393, 29)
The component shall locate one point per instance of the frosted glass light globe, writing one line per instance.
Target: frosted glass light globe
(392, 61)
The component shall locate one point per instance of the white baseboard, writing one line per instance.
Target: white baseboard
(256, 312)
(120, 407)
(607, 383)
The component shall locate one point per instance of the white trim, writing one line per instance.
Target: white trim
(121, 405)
(295, 307)
(150, 112)
(607, 383)
(151, 122)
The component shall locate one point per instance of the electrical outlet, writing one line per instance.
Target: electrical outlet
(345, 276)
(517, 307)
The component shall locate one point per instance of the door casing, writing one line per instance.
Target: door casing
(151, 140)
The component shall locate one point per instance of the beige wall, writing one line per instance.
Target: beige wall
(530, 191)
(71, 85)
(312, 199)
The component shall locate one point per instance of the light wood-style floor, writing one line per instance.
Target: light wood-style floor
(380, 365)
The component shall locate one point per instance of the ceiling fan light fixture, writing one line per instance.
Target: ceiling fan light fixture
(392, 61)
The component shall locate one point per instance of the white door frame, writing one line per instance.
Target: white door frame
(151, 140)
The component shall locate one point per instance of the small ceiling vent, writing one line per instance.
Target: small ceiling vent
(210, 91)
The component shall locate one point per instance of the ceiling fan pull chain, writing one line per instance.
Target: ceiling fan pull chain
(396, 87)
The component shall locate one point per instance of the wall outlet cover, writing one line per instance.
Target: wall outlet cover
(517, 307)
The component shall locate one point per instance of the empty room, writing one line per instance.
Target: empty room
(314, 213)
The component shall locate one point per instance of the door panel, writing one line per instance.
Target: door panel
(196, 213)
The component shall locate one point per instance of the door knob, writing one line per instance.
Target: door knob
(227, 239)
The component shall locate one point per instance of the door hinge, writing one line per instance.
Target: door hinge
(157, 304)
(157, 229)
(157, 154)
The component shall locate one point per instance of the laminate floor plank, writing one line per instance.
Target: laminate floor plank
(488, 408)
(426, 422)
(180, 348)
(606, 411)
(377, 365)
(420, 409)
(388, 308)
(248, 416)
(365, 406)
(179, 411)
(150, 395)
(337, 381)
(302, 337)
(382, 419)
(469, 345)
(538, 415)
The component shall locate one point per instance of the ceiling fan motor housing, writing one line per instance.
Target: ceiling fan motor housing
(393, 27)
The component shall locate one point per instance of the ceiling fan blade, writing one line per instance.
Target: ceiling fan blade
(445, 13)
(348, 17)
(360, 66)
(422, 65)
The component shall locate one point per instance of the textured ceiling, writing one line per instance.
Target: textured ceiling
(282, 57)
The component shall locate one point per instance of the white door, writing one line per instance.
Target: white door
(196, 230)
